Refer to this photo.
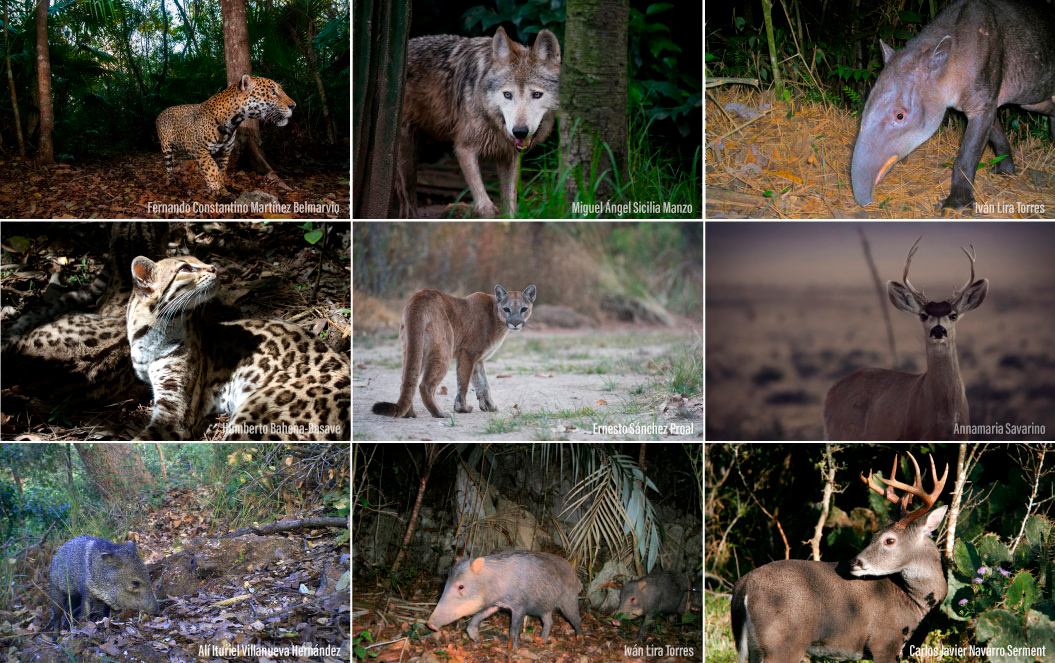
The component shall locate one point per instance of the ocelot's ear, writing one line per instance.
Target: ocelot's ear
(143, 272)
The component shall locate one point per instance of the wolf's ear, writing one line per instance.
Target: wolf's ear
(502, 45)
(546, 47)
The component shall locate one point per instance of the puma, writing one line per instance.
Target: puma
(437, 327)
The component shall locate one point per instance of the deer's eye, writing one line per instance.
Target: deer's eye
(923, 317)
(952, 316)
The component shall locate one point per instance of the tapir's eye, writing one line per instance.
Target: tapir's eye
(901, 116)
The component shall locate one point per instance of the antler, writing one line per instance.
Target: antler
(918, 294)
(956, 294)
(915, 489)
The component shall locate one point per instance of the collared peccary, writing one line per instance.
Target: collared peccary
(521, 581)
(96, 575)
(660, 591)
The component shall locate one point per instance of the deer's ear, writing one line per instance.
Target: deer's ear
(933, 519)
(973, 297)
(901, 297)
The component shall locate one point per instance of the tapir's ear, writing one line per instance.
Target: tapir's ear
(887, 51)
(940, 53)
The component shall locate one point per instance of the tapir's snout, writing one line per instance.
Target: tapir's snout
(867, 168)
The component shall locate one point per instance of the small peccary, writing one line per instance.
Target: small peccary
(660, 591)
(87, 572)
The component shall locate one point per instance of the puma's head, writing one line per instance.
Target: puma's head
(514, 308)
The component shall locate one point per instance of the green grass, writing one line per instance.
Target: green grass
(654, 183)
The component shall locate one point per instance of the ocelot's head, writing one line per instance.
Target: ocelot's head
(169, 287)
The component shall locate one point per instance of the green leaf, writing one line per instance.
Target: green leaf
(1022, 592)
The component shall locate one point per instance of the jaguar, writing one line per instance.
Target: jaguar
(205, 132)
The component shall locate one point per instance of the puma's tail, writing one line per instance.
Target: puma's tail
(390, 409)
(412, 354)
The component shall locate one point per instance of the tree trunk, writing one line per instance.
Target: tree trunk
(11, 84)
(45, 151)
(116, 470)
(593, 95)
(236, 46)
(379, 40)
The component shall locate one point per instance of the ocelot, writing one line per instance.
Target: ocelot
(274, 379)
(55, 351)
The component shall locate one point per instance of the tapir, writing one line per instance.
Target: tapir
(976, 56)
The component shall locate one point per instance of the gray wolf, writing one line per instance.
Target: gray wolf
(490, 95)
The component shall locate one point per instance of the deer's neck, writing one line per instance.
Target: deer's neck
(942, 384)
(924, 582)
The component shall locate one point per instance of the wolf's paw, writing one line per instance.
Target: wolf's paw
(485, 209)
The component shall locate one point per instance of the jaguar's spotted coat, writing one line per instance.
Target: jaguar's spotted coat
(205, 132)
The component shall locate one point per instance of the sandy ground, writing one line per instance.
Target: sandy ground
(547, 385)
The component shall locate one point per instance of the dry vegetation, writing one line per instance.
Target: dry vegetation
(794, 162)
(600, 271)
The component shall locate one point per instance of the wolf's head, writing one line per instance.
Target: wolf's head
(524, 85)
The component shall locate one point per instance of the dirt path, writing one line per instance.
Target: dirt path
(547, 385)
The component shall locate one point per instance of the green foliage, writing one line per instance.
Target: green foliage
(1010, 607)
(33, 512)
(652, 176)
(54, 493)
(529, 18)
(40, 504)
(108, 90)
(359, 652)
(684, 373)
(658, 84)
(310, 236)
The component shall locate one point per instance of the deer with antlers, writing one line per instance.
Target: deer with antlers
(868, 608)
(880, 404)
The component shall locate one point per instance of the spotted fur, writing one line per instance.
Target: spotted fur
(205, 132)
(274, 379)
(57, 351)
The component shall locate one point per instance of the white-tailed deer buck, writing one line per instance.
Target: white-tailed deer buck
(880, 404)
(868, 608)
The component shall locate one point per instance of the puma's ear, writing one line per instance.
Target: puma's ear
(500, 292)
(529, 293)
